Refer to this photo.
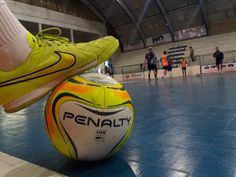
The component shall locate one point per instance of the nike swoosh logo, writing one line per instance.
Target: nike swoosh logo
(58, 66)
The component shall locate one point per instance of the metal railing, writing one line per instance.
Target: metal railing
(200, 60)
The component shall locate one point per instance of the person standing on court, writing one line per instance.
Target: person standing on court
(191, 53)
(219, 56)
(165, 63)
(170, 66)
(151, 63)
(110, 66)
(184, 66)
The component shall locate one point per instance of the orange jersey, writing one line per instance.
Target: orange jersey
(184, 63)
(165, 60)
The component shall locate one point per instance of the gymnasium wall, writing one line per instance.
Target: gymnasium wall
(204, 45)
(41, 15)
(223, 26)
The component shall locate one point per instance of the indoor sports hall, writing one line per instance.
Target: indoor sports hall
(177, 62)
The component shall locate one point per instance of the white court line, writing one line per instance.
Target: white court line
(132, 81)
(13, 167)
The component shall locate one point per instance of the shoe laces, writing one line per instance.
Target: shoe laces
(47, 39)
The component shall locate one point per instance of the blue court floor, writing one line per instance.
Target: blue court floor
(183, 128)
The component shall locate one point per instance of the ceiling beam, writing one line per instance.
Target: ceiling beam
(160, 15)
(203, 14)
(109, 27)
(94, 10)
(131, 17)
(167, 20)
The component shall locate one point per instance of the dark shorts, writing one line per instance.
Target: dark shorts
(169, 68)
(184, 68)
(152, 67)
(219, 61)
(165, 67)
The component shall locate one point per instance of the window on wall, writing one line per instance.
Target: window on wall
(80, 36)
(65, 32)
(30, 26)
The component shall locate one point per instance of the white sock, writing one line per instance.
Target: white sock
(14, 47)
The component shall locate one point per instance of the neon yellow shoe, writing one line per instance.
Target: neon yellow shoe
(52, 60)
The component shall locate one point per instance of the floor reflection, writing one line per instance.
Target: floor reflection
(183, 128)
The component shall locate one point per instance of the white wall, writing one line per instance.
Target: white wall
(42, 15)
(204, 45)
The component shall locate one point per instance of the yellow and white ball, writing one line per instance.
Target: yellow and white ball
(89, 117)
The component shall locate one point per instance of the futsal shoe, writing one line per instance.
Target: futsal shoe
(52, 60)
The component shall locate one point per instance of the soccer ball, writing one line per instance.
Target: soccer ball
(89, 117)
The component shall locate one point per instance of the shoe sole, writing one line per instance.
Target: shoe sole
(33, 96)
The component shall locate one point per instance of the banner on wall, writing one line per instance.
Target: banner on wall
(213, 68)
(159, 39)
(134, 76)
(154, 40)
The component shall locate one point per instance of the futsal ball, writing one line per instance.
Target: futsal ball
(89, 117)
